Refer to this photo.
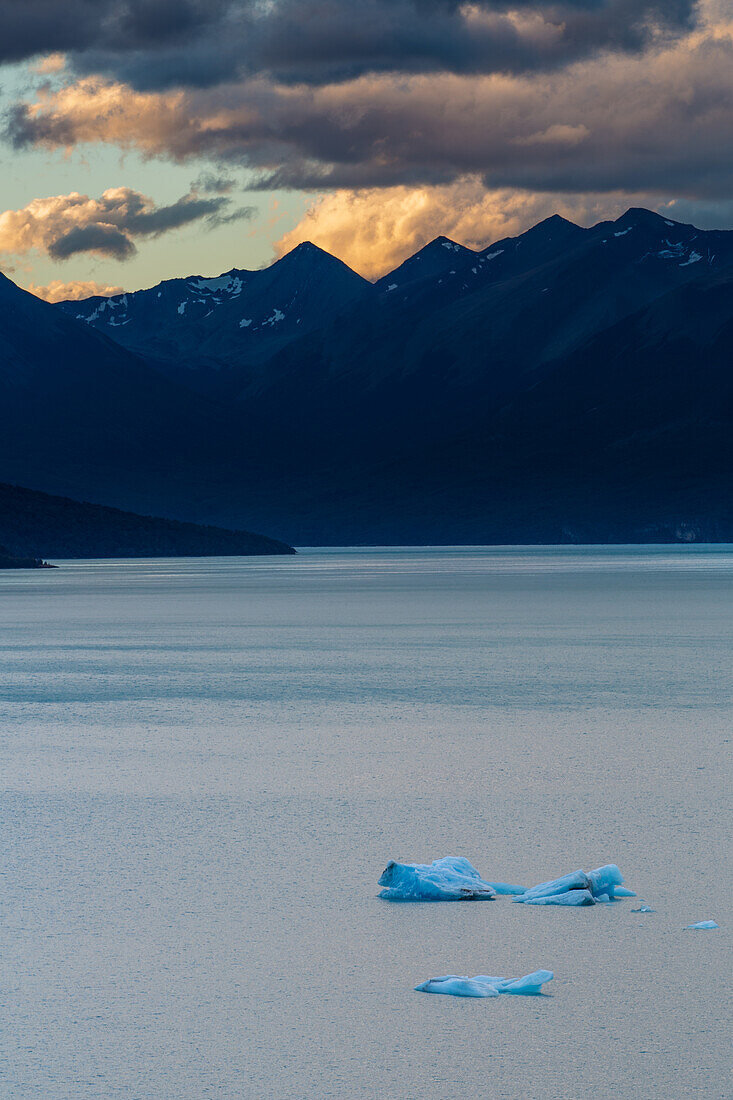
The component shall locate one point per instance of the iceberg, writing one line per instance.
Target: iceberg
(453, 878)
(507, 888)
(483, 985)
(455, 986)
(579, 888)
(450, 879)
(644, 908)
(704, 925)
(566, 897)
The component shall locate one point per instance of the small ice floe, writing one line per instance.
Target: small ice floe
(703, 925)
(579, 888)
(455, 985)
(644, 908)
(450, 879)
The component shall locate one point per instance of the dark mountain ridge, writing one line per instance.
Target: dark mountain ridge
(83, 416)
(567, 381)
(32, 522)
(444, 293)
(197, 329)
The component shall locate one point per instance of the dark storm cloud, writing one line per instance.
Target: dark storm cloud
(155, 44)
(102, 239)
(138, 218)
(314, 41)
(33, 27)
(544, 95)
(661, 122)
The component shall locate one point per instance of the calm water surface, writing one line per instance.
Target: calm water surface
(206, 764)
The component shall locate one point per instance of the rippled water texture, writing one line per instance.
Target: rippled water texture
(206, 765)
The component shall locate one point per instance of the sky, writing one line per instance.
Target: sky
(147, 139)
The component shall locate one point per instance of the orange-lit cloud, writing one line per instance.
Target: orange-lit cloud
(51, 63)
(486, 117)
(58, 291)
(374, 230)
(659, 123)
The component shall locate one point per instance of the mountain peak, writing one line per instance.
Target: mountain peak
(446, 242)
(306, 250)
(553, 225)
(308, 246)
(639, 215)
(308, 256)
(555, 220)
(433, 260)
(443, 242)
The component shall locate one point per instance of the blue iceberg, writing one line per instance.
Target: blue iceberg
(644, 908)
(704, 925)
(579, 888)
(450, 879)
(567, 897)
(453, 878)
(455, 985)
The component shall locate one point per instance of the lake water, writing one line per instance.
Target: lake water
(206, 765)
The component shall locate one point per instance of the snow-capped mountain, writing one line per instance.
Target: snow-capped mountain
(214, 331)
(567, 383)
(241, 317)
(441, 259)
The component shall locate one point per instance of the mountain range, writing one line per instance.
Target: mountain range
(568, 384)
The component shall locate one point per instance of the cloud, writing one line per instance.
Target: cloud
(155, 44)
(34, 27)
(64, 225)
(660, 123)
(240, 213)
(51, 63)
(374, 230)
(58, 291)
(557, 134)
(474, 118)
(212, 183)
(319, 41)
(105, 240)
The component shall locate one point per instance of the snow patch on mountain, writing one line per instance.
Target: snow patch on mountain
(230, 284)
